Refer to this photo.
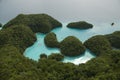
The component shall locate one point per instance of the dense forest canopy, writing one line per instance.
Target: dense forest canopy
(0, 25)
(50, 40)
(98, 44)
(19, 36)
(80, 25)
(37, 22)
(14, 66)
(71, 46)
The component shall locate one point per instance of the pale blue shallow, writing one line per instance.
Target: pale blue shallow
(39, 47)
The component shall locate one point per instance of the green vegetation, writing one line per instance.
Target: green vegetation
(71, 46)
(80, 25)
(19, 36)
(0, 25)
(98, 44)
(56, 56)
(37, 22)
(14, 66)
(114, 39)
(43, 55)
(51, 40)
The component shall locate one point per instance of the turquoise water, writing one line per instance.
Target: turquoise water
(39, 47)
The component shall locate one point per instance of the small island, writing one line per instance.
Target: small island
(0, 25)
(112, 24)
(37, 22)
(80, 25)
(98, 44)
(71, 46)
(50, 40)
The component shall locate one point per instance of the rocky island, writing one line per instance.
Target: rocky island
(114, 39)
(0, 25)
(98, 44)
(50, 40)
(80, 25)
(37, 22)
(71, 46)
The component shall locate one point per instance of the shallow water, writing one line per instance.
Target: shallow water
(39, 47)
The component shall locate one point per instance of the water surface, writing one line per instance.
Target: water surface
(39, 47)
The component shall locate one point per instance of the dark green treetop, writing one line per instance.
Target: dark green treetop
(114, 39)
(17, 35)
(51, 40)
(37, 22)
(80, 25)
(71, 46)
(98, 44)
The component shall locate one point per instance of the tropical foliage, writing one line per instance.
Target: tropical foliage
(114, 39)
(56, 56)
(14, 66)
(51, 40)
(71, 46)
(80, 25)
(37, 22)
(0, 25)
(19, 36)
(98, 44)
(43, 55)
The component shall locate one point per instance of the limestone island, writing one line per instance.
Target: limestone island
(98, 44)
(71, 46)
(80, 25)
(0, 25)
(114, 39)
(50, 40)
(112, 24)
(37, 22)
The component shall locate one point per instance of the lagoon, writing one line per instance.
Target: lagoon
(39, 47)
(100, 15)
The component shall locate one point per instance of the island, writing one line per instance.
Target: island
(112, 24)
(0, 25)
(80, 25)
(37, 22)
(50, 40)
(71, 46)
(98, 44)
(114, 39)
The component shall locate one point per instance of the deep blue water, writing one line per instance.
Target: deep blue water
(39, 47)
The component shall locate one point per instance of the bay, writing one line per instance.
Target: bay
(39, 47)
